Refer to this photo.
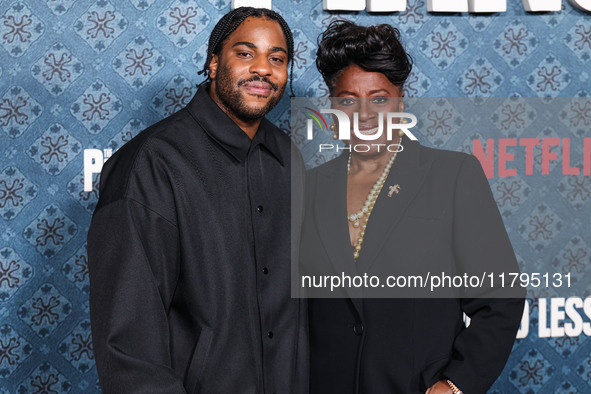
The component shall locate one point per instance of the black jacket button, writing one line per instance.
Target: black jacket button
(260, 208)
(358, 329)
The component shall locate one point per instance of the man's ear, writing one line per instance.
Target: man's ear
(213, 66)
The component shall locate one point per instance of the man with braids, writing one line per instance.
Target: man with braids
(189, 246)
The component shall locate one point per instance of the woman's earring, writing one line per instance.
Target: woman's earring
(333, 128)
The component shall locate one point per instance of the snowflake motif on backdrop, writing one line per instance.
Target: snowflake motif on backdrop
(574, 258)
(531, 372)
(96, 107)
(540, 227)
(576, 189)
(578, 39)
(18, 110)
(138, 62)
(57, 69)
(182, 22)
(130, 130)
(54, 149)
(45, 379)
(176, 94)
(549, 78)
(19, 29)
(14, 350)
(50, 231)
(513, 117)
(14, 273)
(100, 25)
(576, 116)
(442, 121)
(445, 44)
(410, 21)
(16, 191)
(60, 7)
(77, 347)
(45, 310)
(516, 43)
(76, 269)
(481, 79)
(88, 200)
(510, 194)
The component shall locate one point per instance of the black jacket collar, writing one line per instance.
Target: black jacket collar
(220, 127)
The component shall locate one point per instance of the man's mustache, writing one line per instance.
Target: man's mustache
(274, 86)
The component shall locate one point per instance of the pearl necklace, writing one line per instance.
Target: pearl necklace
(369, 203)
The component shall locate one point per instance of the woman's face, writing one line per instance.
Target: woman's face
(369, 94)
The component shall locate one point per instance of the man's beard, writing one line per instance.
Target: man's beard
(228, 92)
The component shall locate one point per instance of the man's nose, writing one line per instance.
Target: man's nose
(261, 65)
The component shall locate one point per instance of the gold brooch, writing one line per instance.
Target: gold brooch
(393, 189)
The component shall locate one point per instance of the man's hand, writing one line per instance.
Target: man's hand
(440, 387)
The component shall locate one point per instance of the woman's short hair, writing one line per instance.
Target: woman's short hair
(373, 48)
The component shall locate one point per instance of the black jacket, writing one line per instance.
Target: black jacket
(189, 258)
(444, 219)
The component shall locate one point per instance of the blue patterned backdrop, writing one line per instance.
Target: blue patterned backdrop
(80, 74)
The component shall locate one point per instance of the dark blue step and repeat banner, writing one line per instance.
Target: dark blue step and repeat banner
(80, 78)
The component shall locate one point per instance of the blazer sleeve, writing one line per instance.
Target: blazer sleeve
(132, 256)
(481, 245)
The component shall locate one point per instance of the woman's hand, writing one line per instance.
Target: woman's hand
(440, 387)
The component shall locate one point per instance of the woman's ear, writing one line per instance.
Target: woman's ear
(213, 66)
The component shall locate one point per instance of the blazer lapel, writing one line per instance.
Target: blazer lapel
(409, 174)
(331, 215)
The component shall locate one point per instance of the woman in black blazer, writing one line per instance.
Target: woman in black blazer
(431, 210)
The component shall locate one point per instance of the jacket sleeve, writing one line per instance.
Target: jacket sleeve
(481, 245)
(133, 260)
(298, 182)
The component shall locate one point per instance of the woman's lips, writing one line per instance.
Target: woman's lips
(365, 130)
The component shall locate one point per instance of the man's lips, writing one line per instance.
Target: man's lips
(259, 88)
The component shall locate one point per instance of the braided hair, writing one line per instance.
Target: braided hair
(230, 22)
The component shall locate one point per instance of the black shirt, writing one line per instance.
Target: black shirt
(189, 252)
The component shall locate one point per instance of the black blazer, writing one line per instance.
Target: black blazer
(444, 219)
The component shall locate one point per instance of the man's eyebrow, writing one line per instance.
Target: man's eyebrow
(252, 46)
(245, 43)
(278, 49)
